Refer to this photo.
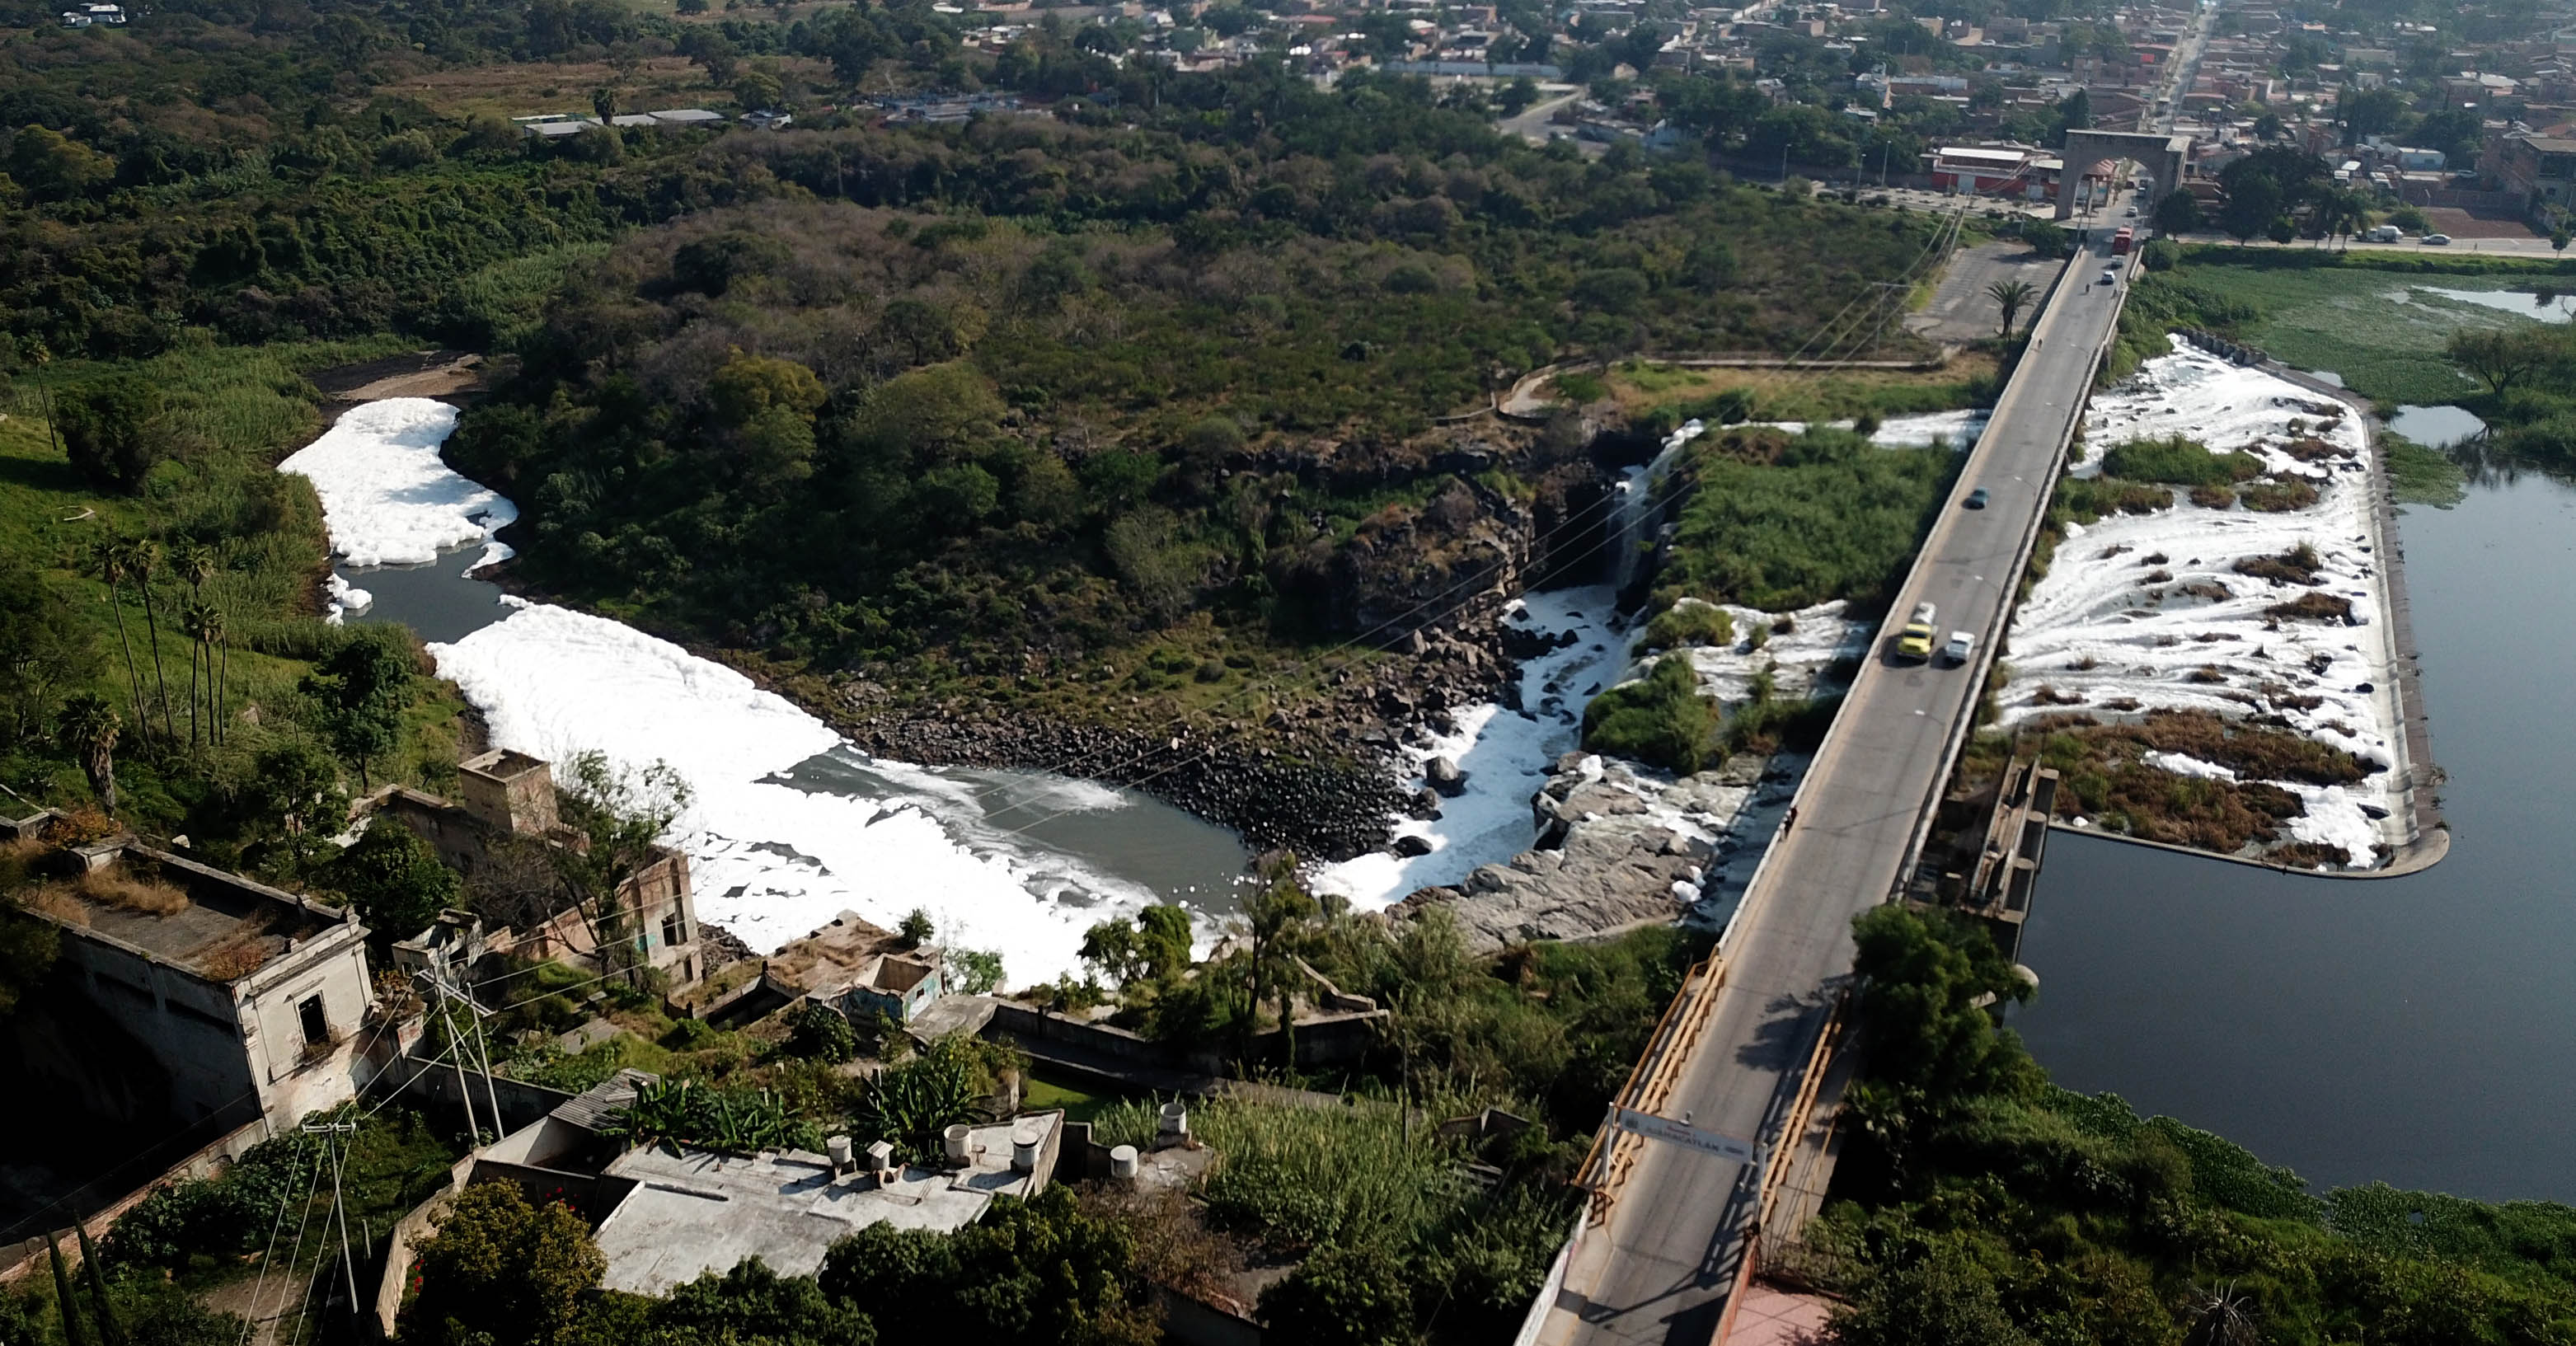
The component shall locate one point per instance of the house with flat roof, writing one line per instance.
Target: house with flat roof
(858, 968)
(249, 997)
(693, 1211)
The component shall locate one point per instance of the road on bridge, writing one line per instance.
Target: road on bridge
(1659, 1269)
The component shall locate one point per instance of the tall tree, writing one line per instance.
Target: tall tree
(114, 431)
(361, 688)
(215, 632)
(142, 557)
(88, 726)
(108, 555)
(620, 815)
(1271, 923)
(2011, 296)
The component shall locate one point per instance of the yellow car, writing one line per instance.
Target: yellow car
(1916, 640)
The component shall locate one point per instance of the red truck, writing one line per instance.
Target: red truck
(2121, 240)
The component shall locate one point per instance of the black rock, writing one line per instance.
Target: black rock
(1410, 846)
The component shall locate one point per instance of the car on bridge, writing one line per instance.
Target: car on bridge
(1962, 644)
(1915, 642)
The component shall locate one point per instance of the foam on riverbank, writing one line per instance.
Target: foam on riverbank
(388, 497)
(770, 861)
(2148, 612)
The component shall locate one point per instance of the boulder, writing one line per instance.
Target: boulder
(1443, 775)
(1410, 845)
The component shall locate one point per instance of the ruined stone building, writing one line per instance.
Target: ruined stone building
(506, 810)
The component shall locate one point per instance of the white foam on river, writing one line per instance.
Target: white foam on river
(770, 862)
(2112, 629)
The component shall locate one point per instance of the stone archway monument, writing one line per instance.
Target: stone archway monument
(2163, 155)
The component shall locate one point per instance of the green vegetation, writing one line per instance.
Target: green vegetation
(1690, 622)
(1650, 392)
(1045, 419)
(180, 602)
(1659, 719)
(1393, 1245)
(206, 1231)
(1984, 1205)
(2179, 461)
(1778, 522)
(2421, 476)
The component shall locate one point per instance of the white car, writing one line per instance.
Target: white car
(2110, 275)
(2436, 240)
(1962, 644)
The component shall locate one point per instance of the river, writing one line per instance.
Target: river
(2411, 1030)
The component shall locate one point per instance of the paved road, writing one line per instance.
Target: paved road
(1963, 307)
(1532, 125)
(1660, 1269)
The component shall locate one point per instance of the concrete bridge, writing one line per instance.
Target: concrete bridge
(1665, 1244)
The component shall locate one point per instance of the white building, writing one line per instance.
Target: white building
(249, 998)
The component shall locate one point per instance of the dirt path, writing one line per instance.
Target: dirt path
(439, 373)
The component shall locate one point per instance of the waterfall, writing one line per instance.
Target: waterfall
(1637, 487)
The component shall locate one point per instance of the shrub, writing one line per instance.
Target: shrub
(1690, 622)
(2278, 497)
(1660, 719)
(2180, 462)
(820, 1033)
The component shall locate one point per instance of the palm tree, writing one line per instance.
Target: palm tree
(108, 554)
(88, 726)
(2012, 296)
(2219, 1317)
(194, 562)
(142, 557)
(193, 619)
(213, 623)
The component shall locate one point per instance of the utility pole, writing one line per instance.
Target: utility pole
(481, 1056)
(335, 1141)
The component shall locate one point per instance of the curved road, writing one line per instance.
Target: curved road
(1660, 1268)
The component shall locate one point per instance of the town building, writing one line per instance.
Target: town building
(249, 999)
(2539, 169)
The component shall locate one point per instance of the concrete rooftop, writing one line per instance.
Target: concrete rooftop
(696, 1211)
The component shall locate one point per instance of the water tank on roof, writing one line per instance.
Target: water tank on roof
(961, 1143)
(1024, 1149)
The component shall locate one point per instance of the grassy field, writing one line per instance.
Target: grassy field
(2381, 330)
(237, 412)
(1640, 389)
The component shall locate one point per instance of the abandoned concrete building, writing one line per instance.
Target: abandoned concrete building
(506, 805)
(249, 998)
(859, 969)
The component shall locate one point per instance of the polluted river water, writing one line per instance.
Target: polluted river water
(2411, 1030)
(788, 825)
